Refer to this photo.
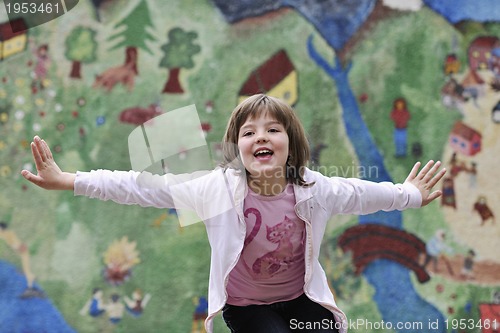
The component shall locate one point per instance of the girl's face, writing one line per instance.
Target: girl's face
(263, 146)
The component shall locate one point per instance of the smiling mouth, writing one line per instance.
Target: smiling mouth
(263, 153)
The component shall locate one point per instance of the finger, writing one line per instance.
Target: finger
(434, 195)
(36, 156)
(46, 149)
(26, 174)
(41, 150)
(437, 177)
(432, 171)
(425, 169)
(37, 180)
(414, 170)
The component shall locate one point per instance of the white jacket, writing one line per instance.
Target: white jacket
(217, 198)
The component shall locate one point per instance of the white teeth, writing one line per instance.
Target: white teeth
(264, 151)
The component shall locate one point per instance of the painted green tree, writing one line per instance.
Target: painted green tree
(178, 53)
(81, 47)
(135, 35)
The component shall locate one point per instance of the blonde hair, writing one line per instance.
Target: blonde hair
(261, 104)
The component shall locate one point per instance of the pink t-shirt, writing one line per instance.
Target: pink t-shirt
(271, 267)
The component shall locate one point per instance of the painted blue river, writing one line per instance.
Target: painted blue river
(26, 315)
(395, 295)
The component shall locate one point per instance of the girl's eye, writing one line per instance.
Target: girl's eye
(273, 130)
(247, 133)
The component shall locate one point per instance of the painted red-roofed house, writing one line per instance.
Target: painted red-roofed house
(464, 139)
(12, 42)
(479, 52)
(276, 77)
(490, 317)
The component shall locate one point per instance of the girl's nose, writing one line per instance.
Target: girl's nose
(260, 138)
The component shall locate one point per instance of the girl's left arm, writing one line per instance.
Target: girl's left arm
(356, 196)
(425, 179)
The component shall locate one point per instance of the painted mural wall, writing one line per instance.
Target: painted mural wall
(377, 84)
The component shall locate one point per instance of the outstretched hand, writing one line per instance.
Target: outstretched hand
(426, 179)
(49, 176)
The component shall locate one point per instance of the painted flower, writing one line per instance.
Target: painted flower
(20, 83)
(18, 127)
(19, 115)
(5, 171)
(100, 120)
(24, 143)
(20, 100)
(120, 257)
(81, 101)
(28, 166)
(206, 127)
(4, 117)
(209, 106)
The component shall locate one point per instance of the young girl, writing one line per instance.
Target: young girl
(265, 275)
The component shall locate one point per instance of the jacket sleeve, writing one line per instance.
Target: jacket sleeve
(356, 196)
(203, 192)
(129, 187)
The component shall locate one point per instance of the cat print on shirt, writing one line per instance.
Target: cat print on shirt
(277, 260)
(256, 227)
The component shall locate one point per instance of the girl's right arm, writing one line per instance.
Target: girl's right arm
(49, 176)
(121, 187)
(204, 192)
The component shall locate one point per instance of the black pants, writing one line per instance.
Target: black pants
(297, 315)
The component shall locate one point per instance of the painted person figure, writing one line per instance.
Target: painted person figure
(472, 175)
(400, 116)
(265, 268)
(200, 314)
(94, 306)
(115, 309)
(484, 211)
(435, 247)
(448, 198)
(456, 166)
(13, 241)
(468, 266)
(41, 68)
(135, 305)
